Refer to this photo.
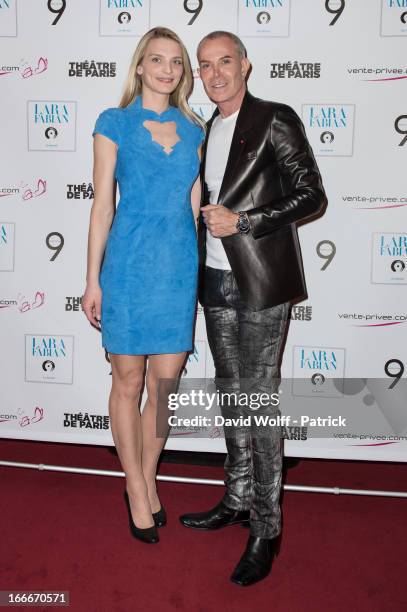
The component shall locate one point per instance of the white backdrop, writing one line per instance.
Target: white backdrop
(340, 64)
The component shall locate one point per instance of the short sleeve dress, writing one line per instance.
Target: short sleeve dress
(149, 272)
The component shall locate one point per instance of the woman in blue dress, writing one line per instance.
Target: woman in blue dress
(142, 261)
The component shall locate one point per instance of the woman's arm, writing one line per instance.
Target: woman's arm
(101, 217)
(196, 194)
(196, 199)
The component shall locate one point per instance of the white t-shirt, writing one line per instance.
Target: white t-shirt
(220, 139)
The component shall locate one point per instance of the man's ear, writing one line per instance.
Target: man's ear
(245, 66)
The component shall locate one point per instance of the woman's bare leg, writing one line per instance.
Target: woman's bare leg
(125, 422)
(159, 367)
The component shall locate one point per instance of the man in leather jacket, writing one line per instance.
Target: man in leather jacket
(259, 178)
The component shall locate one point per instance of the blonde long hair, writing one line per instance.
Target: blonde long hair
(179, 97)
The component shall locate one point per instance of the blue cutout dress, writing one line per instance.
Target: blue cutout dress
(149, 272)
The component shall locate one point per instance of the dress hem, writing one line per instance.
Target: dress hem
(155, 352)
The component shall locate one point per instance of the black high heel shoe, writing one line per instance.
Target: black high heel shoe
(148, 535)
(160, 517)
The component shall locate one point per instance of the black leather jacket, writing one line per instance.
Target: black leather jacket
(271, 174)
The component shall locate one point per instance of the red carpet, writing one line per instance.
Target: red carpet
(69, 532)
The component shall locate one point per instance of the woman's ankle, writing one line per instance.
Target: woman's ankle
(137, 488)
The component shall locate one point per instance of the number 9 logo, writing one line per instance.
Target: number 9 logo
(335, 11)
(55, 245)
(328, 254)
(397, 374)
(401, 129)
(58, 8)
(194, 7)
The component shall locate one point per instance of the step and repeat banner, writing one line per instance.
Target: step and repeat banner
(342, 65)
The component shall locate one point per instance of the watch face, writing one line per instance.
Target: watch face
(243, 225)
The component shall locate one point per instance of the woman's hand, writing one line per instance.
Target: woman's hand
(92, 304)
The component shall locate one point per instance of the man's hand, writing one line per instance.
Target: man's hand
(219, 220)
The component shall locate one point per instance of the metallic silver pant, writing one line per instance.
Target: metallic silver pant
(246, 347)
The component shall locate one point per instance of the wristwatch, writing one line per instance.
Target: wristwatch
(243, 223)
